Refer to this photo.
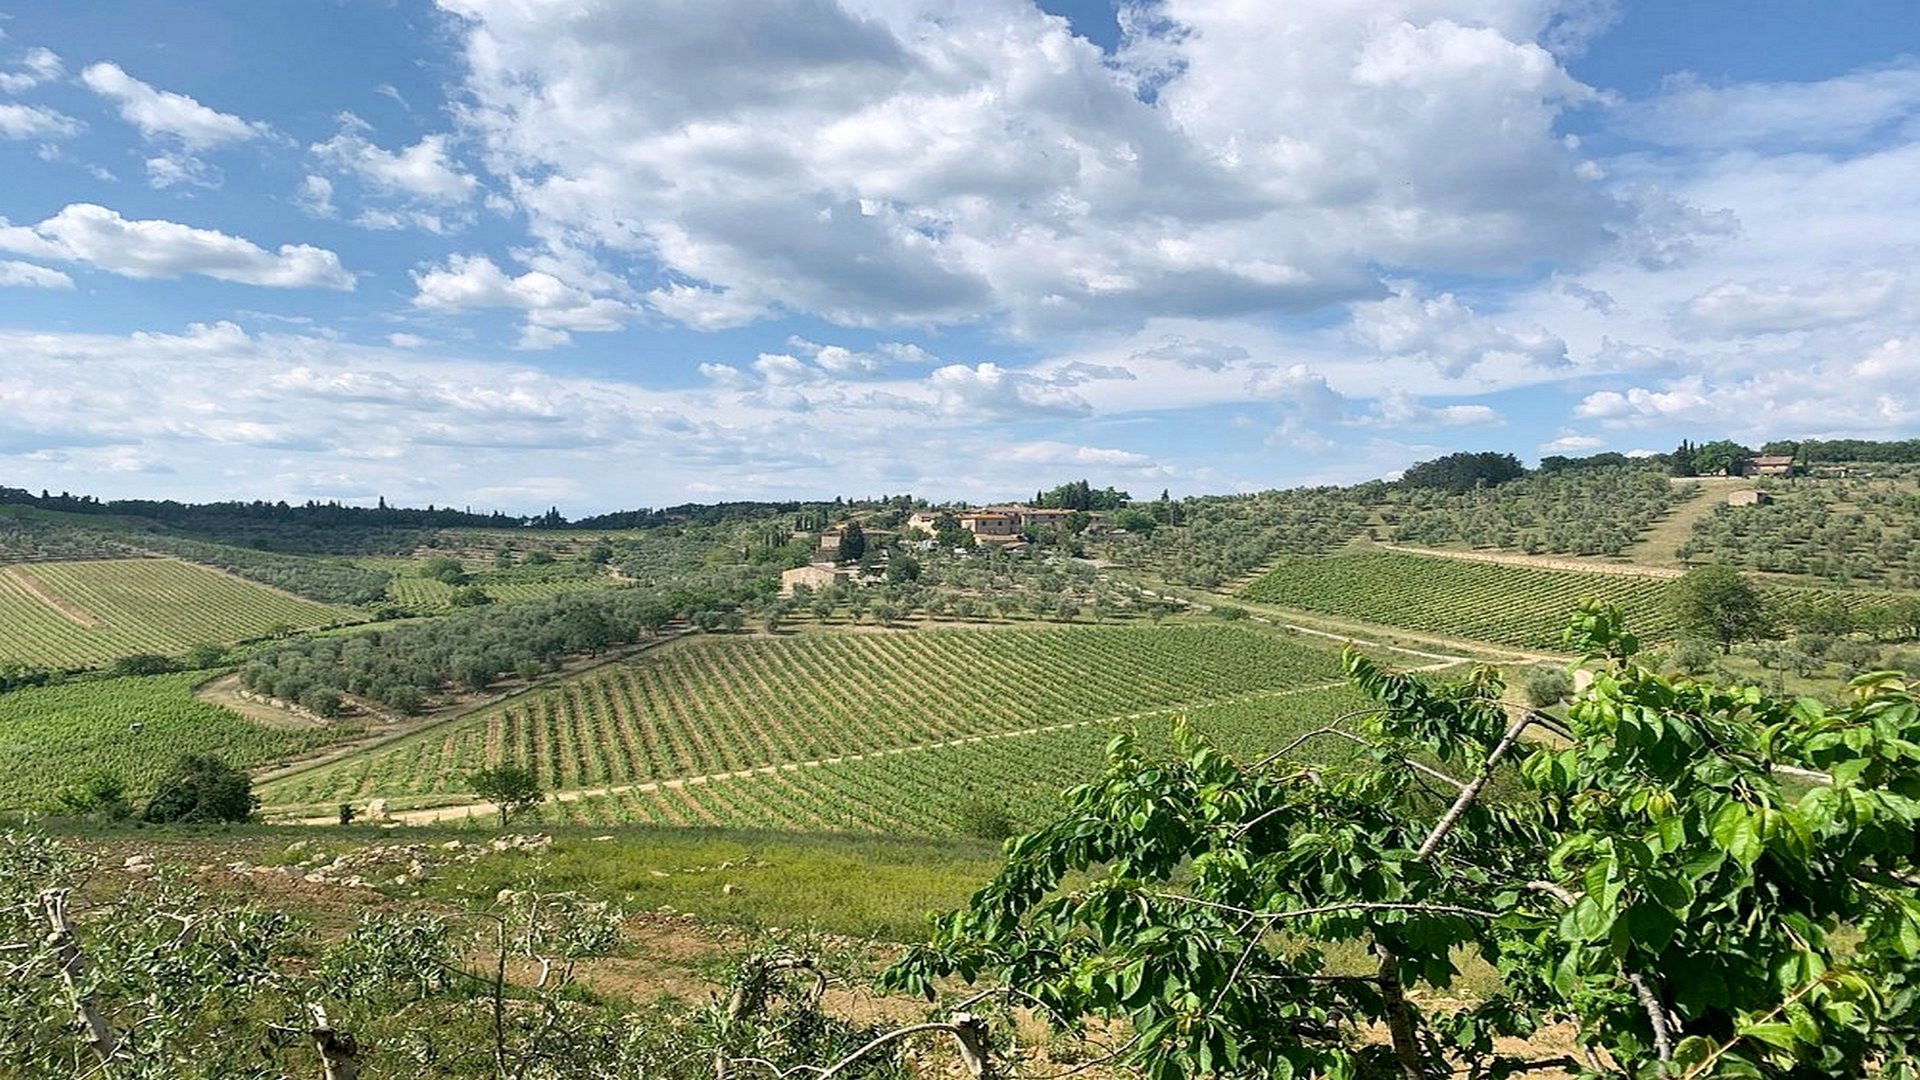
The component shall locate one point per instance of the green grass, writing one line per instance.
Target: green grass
(1507, 605)
(49, 734)
(108, 608)
(863, 886)
(720, 704)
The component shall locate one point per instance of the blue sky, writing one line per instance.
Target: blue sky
(606, 254)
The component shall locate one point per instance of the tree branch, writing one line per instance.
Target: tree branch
(73, 969)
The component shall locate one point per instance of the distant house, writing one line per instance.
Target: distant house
(991, 526)
(1767, 465)
(1748, 498)
(830, 543)
(815, 576)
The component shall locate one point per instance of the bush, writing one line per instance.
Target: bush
(1230, 613)
(202, 790)
(96, 794)
(1547, 686)
(985, 819)
(144, 664)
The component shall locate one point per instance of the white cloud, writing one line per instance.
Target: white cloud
(315, 196)
(1573, 444)
(38, 66)
(908, 164)
(1399, 409)
(164, 114)
(1694, 115)
(423, 171)
(534, 337)
(35, 122)
(474, 282)
(14, 272)
(1741, 309)
(155, 249)
(1074, 456)
(1443, 331)
(990, 392)
(406, 341)
(169, 169)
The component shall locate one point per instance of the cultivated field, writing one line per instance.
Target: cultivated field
(1506, 605)
(719, 705)
(133, 727)
(955, 787)
(77, 614)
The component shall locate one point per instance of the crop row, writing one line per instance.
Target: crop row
(1509, 605)
(715, 705)
(1012, 782)
(70, 614)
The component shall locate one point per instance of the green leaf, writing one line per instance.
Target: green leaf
(1736, 833)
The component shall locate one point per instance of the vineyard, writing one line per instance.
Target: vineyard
(714, 705)
(1507, 605)
(135, 727)
(950, 789)
(428, 595)
(78, 614)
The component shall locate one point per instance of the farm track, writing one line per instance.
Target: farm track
(1537, 562)
(461, 811)
(37, 589)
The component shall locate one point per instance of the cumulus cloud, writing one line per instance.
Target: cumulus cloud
(1445, 332)
(1399, 409)
(915, 163)
(165, 114)
(156, 249)
(991, 392)
(475, 282)
(28, 275)
(425, 171)
(35, 122)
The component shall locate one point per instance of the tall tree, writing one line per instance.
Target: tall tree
(1717, 603)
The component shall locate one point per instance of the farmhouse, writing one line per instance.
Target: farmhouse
(814, 576)
(1748, 498)
(1767, 465)
(991, 526)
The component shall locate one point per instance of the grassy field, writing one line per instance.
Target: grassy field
(77, 614)
(135, 727)
(718, 705)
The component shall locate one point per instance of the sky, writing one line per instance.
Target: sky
(615, 253)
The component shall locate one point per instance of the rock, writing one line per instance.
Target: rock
(601, 838)
(298, 845)
(136, 861)
(659, 873)
(452, 845)
(729, 889)
(400, 879)
(503, 896)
